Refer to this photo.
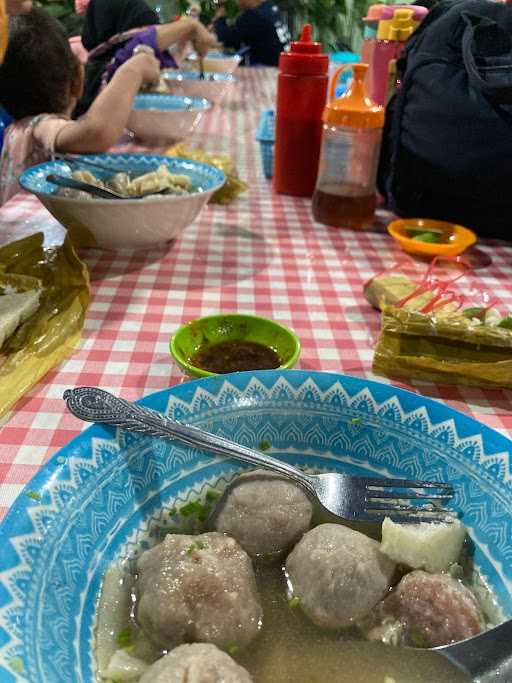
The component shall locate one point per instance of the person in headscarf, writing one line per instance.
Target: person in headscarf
(114, 28)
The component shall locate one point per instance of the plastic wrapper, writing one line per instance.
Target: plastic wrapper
(52, 332)
(233, 186)
(432, 329)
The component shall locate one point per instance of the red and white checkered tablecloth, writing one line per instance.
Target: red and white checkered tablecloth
(263, 255)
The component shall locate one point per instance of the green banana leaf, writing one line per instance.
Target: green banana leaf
(53, 331)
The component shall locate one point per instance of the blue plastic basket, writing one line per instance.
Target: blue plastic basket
(266, 137)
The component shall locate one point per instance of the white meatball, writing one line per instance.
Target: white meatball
(431, 610)
(198, 589)
(196, 663)
(265, 512)
(338, 574)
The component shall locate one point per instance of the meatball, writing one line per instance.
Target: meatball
(198, 588)
(432, 610)
(265, 512)
(197, 663)
(338, 574)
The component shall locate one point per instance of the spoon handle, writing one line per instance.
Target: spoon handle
(71, 183)
(95, 405)
(486, 657)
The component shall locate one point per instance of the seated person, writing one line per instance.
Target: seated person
(114, 28)
(258, 27)
(40, 81)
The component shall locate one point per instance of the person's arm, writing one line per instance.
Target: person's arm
(185, 30)
(106, 119)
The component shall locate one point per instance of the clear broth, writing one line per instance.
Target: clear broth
(291, 649)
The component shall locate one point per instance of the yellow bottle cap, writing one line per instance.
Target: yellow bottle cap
(398, 28)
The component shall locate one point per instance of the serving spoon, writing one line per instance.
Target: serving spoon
(100, 192)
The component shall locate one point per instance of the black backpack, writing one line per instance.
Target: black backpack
(447, 144)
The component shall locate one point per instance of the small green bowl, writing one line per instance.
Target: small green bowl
(213, 329)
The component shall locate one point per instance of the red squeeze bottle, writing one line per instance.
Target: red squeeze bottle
(301, 95)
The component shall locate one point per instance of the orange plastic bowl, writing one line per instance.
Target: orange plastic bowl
(454, 239)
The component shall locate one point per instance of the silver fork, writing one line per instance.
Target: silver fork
(352, 498)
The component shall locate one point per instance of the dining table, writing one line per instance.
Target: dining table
(262, 254)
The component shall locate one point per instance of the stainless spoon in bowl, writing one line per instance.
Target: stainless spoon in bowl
(100, 192)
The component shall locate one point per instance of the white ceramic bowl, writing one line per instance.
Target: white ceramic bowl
(216, 62)
(212, 87)
(161, 119)
(131, 223)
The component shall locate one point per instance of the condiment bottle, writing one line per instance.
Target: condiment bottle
(301, 92)
(391, 36)
(374, 14)
(345, 191)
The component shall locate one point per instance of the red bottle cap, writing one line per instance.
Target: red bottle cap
(305, 57)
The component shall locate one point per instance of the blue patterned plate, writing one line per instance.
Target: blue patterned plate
(100, 495)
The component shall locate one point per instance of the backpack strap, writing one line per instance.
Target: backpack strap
(487, 57)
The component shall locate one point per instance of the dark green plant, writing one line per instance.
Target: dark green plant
(64, 11)
(336, 23)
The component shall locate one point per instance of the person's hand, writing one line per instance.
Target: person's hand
(18, 6)
(146, 64)
(203, 40)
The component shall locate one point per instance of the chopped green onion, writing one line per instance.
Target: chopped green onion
(200, 545)
(232, 649)
(212, 496)
(34, 495)
(192, 508)
(294, 602)
(356, 421)
(16, 664)
(418, 639)
(475, 312)
(125, 638)
(264, 445)
(506, 322)
(191, 549)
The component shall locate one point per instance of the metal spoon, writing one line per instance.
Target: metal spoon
(82, 161)
(100, 192)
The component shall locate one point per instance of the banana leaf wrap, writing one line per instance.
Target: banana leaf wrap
(445, 347)
(53, 331)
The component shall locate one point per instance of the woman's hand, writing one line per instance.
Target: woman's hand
(146, 64)
(203, 40)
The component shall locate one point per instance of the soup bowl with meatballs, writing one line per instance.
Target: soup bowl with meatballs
(129, 558)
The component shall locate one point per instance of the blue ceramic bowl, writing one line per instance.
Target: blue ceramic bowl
(97, 498)
(164, 119)
(113, 224)
(213, 86)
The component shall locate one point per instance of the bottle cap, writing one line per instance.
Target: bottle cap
(355, 108)
(399, 27)
(305, 56)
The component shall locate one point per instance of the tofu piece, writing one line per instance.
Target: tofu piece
(15, 309)
(432, 547)
(124, 667)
